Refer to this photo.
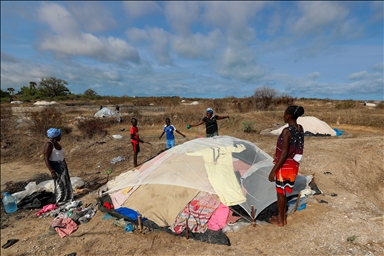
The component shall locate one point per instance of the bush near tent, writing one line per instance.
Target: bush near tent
(232, 170)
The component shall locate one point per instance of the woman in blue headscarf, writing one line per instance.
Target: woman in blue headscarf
(55, 161)
(210, 123)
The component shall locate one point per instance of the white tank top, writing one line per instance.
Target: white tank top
(56, 155)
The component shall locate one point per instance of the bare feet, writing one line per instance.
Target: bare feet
(274, 220)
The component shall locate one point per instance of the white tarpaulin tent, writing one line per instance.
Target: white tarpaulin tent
(310, 124)
(105, 112)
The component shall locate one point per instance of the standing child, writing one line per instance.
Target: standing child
(168, 130)
(289, 151)
(135, 140)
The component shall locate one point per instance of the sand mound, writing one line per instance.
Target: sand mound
(310, 124)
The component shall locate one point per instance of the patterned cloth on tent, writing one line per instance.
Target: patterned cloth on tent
(197, 212)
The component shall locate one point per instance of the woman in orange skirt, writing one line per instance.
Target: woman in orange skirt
(289, 151)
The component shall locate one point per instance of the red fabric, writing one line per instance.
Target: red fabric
(46, 208)
(108, 205)
(135, 132)
(232, 219)
(64, 226)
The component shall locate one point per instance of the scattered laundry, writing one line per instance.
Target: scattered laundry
(117, 159)
(64, 226)
(46, 208)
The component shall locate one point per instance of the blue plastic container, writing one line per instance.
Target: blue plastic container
(129, 228)
(9, 203)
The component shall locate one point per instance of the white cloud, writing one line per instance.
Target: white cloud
(379, 66)
(160, 46)
(70, 41)
(8, 58)
(136, 9)
(313, 76)
(197, 46)
(363, 84)
(92, 15)
(231, 15)
(318, 16)
(58, 18)
(137, 35)
(239, 64)
(181, 15)
(358, 75)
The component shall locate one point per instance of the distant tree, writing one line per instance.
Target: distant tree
(26, 91)
(10, 91)
(90, 92)
(32, 85)
(4, 94)
(264, 96)
(53, 87)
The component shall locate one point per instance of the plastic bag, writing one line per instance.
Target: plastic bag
(235, 227)
(29, 189)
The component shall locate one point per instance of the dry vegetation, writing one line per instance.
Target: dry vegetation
(88, 156)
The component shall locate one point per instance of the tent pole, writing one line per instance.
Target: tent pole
(186, 229)
(253, 216)
(140, 223)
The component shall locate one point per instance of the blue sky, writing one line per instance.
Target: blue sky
(197, 49)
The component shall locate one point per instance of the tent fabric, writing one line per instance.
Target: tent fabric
(310, 124)
(160, 203)
(105, 112)
(190, 166)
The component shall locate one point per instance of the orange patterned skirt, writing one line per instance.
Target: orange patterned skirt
(286, 176)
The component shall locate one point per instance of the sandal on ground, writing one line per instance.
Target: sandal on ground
(9, 243)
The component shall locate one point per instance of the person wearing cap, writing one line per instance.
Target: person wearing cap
(210, 121)
(55, 161)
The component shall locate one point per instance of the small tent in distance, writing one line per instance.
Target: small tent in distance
(105, 112)
(311, 125)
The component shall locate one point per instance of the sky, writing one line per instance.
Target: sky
(306, 49)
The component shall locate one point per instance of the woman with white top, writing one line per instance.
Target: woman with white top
(55, 161)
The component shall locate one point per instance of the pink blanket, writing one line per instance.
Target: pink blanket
(219, 218)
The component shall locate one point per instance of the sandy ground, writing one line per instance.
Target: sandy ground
(356, 175)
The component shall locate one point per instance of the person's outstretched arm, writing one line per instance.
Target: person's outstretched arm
(161, 135)
(199, 123)
(180, 133)
(222, 117)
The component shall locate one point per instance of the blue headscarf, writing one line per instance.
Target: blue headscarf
(209, 110)
(53, 133)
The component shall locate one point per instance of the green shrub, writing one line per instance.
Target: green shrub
(248, 126)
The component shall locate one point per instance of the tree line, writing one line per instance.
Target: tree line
(51, 87)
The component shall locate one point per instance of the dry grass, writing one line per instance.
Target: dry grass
(27, 135)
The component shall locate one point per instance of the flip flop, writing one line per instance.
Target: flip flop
(9, 243)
